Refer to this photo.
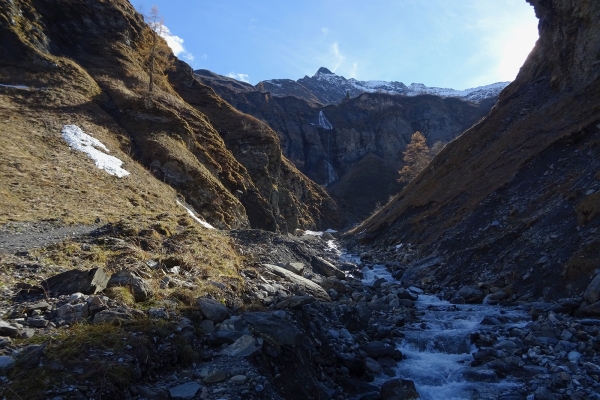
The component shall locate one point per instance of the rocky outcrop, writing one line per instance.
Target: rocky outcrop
(513, 203)
(95, 66)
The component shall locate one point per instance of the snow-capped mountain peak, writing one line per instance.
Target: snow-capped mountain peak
(328, 88)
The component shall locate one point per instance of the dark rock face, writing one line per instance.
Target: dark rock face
(514, 201)
(399, 389)
(77, 281)
(354, 148)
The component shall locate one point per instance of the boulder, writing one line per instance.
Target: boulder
(295, 267)
(87, 282)
(379, 349)
(226, 336)
(213, 310)
(139, 287)
(73, 312)
(592, 293)
(274, 327)
(294, 302)
(6, 362)
(245, 346)
(399, 389)
(302, 285)
(470, 294)
(7, 329)
(185, 391)
(326, 268)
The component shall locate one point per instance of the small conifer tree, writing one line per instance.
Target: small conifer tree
(155, 52)
(416, 157)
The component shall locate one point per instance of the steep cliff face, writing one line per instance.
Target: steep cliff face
(83, 61)
(514, 201)
(329, 143)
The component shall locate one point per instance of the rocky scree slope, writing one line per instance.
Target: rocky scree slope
(355, 143)
(514, 202)
(83, 63)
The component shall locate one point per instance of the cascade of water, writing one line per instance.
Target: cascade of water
(438, 351)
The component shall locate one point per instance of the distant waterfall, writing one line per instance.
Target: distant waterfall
(324, 122)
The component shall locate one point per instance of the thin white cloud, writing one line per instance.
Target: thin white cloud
(325, 31)
(337, 56)
(175, 43)
(239, 77)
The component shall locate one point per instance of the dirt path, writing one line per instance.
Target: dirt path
(23, 236)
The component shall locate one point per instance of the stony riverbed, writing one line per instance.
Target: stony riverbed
(314, 322)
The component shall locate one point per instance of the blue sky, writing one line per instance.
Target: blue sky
(445, 43)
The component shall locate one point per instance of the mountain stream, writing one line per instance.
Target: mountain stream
(438, 348)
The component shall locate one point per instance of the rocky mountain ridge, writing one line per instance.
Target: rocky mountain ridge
(326, 88)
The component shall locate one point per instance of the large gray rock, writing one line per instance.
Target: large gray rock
(399, 389)
(6, 362)
(213, 310)
(378, 349)
(592, 293)
(295, 267)
(303, 285)
(245, 346)
(470, 294)
(87, 282)
(294, 302)
(326, 268)
(274, 327)
(139, 287)
(7, 329)
(185, 391)
(73, 312)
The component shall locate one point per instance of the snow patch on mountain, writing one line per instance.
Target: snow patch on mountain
(340, 83)
(80, 141)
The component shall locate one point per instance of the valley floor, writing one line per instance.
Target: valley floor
(296, 318)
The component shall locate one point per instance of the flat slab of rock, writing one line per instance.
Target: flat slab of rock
(324, 267)
(87, 282)
(274, 327)
(245, 346)
(304, 285)
(294, 302)
(213, 310)
(295, 267)
(185, 391)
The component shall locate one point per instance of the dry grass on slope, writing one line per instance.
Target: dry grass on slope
(44, 179)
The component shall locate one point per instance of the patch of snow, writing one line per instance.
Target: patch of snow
(324, 122)
(80, 141)
(329, 230)
(16, 86)
(201, 222)
(313, 233)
